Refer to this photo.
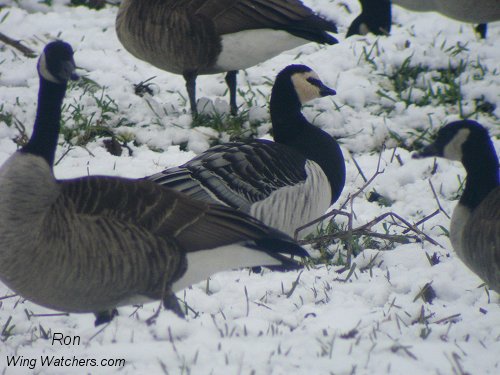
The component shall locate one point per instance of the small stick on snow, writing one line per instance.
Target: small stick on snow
(28, 52)
(437, 200)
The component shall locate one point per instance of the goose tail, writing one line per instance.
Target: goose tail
(270, 252)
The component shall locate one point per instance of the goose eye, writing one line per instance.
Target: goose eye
(314, 81)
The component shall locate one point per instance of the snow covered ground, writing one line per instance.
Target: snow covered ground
(395, 90)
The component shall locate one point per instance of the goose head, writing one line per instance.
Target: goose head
(56, 63)
(461, 141)
(300, 84)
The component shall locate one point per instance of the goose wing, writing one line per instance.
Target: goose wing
(169, 214)
(230, 16)
(113, 241)
(236, 174)
(482, 236)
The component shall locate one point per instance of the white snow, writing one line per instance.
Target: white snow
(242, 322)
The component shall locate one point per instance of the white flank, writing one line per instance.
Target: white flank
(137, 299)
(244, 49)
(290, 207)
(202, 264)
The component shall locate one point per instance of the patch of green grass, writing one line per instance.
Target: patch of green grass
(437, 87)
(333, 251)
(414, 139)
(12, 122)
(442, 87)
(93, 114)
(228, 127)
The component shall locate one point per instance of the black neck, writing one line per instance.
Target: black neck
(482, 175)
(292, 129)
(43, 141)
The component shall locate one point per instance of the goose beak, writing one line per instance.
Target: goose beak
(427, 151)
(326, 91)
(68, 71)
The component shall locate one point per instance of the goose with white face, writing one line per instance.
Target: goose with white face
(308, 86)
(449, 144)
(475, 223)
(56, 63)
(454, 148)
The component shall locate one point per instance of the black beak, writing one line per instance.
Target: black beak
(427, 151)
(67, 71)
(326, 91)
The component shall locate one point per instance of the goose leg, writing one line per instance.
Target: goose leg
(482, 28)
(171, 302)
(103, 317)
(190, 78)
(231, 84)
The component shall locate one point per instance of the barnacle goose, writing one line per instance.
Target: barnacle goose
(286, 183)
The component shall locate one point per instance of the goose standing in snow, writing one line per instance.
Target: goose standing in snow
(215, 36)
(376, 15)
(93, 243)
(475, 224)
(286, 183)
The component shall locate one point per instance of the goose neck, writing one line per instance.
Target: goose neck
(43, 141)
(286, 117)
(482, 176)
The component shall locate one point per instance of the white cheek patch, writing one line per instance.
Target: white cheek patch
(44, 71)
(305, 90)
(453, 150)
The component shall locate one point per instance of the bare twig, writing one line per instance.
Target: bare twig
(8, 296)
(350, 198)
(331, 214)
(359, 169)
(64, 154)
(361, 232)
(423, 220)
(47, 315)
(28, 52)
(98, 332)
(365, 230)
(437, 200)
(448, 319)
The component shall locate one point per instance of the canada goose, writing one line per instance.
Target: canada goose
(215, 36)
(376, 15)
(93, 243)
(286, 183)
(475, 224)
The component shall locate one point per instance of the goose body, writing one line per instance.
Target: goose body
(215, 36)
(475, 223)
(472, 11)
(286, 183)
(376, 16)
(93, 243)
